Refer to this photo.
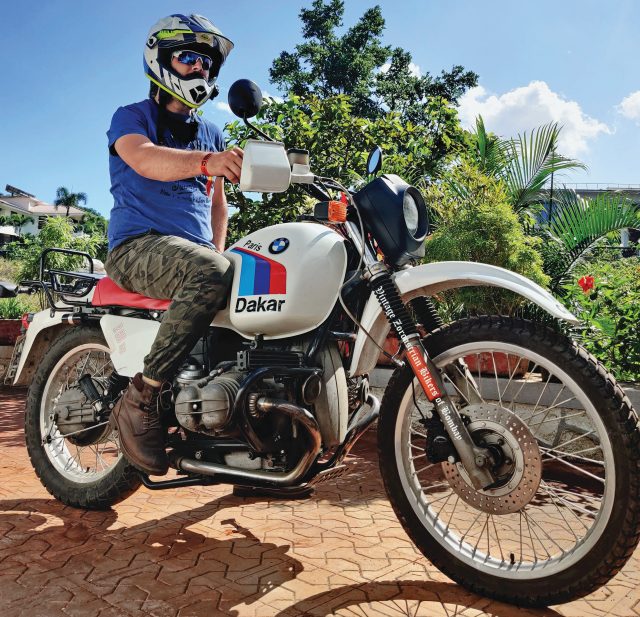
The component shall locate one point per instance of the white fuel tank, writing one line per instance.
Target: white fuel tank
(286, 279)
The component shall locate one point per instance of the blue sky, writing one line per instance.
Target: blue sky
(70, 64)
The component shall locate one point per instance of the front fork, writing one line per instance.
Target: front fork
(476, 461)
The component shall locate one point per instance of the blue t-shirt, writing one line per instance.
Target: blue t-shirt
(180, 208)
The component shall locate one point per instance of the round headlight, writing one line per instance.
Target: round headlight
(411, 213)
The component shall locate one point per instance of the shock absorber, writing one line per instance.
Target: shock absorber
(474, 460)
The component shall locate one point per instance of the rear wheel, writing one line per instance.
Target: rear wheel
(74, 453)
(563, 516)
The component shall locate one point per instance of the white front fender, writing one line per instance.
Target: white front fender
(429, 279)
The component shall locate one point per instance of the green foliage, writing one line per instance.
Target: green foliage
(57, 232)
(524, 164)
(16, 220)
(67, 199)
(610, 313)
(339, 142)
(14, 308)
(327, 64)
(476, 223)
(577, 225)
(93, 223)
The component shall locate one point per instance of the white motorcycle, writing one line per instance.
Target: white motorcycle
(509, 454)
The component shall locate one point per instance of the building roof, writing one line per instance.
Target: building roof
(37, 207)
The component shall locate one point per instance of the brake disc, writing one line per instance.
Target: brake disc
(518, 468)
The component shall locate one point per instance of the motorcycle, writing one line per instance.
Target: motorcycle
(520, 484)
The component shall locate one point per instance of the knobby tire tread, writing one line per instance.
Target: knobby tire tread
(121, 482)
(592, 571)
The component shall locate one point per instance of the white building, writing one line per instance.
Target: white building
(21, 202)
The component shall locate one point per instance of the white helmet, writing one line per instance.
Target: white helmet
(192, 32)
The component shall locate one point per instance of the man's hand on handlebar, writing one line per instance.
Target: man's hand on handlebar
(227, 164)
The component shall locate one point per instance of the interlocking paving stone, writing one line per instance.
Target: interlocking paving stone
(205, 552)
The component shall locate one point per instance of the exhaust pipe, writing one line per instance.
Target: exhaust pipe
(260, 477)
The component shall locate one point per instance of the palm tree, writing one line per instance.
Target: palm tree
(66, 198)
(577, 225)
(19, 221)
(524, 164)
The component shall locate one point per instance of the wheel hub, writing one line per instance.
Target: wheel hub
(517, 461)
(74, 417)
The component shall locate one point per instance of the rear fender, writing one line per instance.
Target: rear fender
(430, 279)
(42, 331)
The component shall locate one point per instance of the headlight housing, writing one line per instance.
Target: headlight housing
(395, 214)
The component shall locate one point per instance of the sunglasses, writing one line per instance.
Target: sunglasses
(186, 56)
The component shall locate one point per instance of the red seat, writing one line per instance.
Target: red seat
(107, 293)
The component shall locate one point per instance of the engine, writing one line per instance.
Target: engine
(206, 407)
(205, 404)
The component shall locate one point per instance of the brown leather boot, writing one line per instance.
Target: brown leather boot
(142, 436)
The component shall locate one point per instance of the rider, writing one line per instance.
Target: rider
(169, 219)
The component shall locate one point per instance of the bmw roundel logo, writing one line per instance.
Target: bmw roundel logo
(280, 245)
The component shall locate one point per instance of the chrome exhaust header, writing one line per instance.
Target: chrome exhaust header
(260, 477)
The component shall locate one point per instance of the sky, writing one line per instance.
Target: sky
(69, 64)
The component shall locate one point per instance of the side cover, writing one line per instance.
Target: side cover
(286, 279)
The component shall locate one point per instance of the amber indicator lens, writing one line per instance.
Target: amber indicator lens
(337, 212)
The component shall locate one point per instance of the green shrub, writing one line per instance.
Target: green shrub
(13, 308)
(57, 232)
(475, 222)
(610, 313)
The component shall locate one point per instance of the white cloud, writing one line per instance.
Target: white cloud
(630, 106)
(414, 69)
(527, 107)
(223, 107)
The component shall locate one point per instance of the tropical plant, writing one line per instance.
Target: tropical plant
(525, 164)
(19, 221)
(57, 232)
(476, 223)
(577, 226)
(605, 295)
(67, 199)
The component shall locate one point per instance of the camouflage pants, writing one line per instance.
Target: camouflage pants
(195, 277)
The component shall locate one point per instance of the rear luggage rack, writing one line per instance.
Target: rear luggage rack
(67, 285)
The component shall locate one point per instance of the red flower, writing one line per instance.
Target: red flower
(587, 283)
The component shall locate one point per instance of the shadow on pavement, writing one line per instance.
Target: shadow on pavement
(170, 563)
(415, 598)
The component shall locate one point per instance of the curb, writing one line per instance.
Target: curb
(380, 376)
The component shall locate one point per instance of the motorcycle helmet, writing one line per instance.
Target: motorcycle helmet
(192, 32)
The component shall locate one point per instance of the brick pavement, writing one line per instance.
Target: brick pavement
(202, 551)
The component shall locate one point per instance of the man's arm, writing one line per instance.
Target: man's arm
(219, 214)
(168, 164)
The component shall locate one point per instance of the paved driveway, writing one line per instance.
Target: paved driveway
(203, 551)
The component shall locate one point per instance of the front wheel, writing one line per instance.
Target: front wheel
(75, 454)
(564, 513)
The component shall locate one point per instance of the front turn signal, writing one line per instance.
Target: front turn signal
(337, 212)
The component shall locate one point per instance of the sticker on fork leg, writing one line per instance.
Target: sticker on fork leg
(419, 366)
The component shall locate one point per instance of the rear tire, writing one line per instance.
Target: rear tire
(65, 463)
(584, 518)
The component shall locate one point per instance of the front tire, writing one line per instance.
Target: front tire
(574, 439)
(82, 467)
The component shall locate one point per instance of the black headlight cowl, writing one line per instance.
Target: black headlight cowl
(395, 214)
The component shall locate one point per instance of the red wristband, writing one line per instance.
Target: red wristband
(203, 164)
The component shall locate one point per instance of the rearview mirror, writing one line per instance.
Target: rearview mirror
(374, 162)
(245, 98)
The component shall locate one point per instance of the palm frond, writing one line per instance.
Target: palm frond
(579, 223)
(531, 159)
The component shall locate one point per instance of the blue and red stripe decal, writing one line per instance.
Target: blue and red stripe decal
(260, 275)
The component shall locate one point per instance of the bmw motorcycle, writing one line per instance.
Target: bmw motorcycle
(509, 454)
